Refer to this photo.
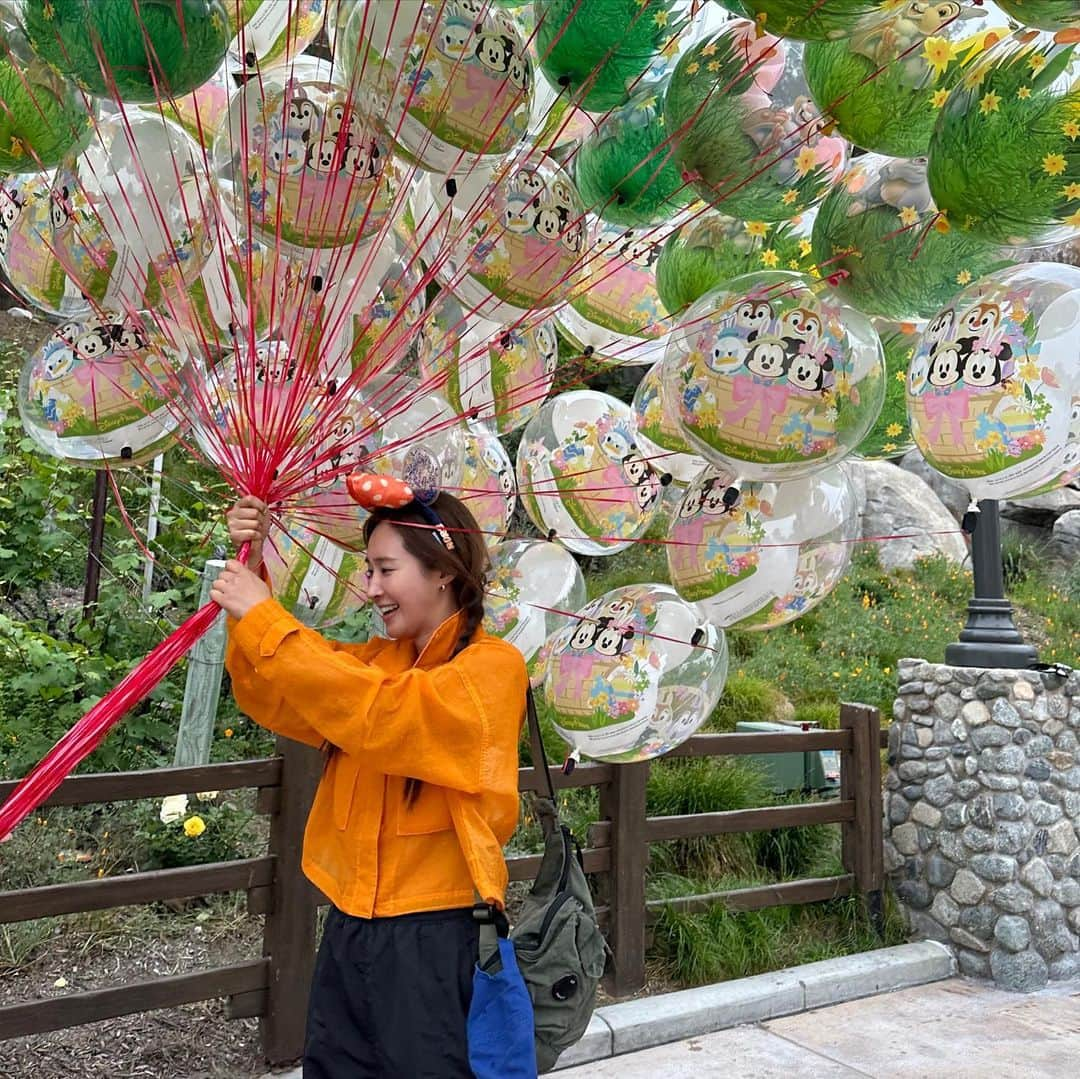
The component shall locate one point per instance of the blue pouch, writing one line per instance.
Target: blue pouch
(500, 1023)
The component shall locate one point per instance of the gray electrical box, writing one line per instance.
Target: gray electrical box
(815, 770)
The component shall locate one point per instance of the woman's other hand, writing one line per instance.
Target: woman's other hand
(237, 589)
(249, 522)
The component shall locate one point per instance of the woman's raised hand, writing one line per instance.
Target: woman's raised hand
(249, 522)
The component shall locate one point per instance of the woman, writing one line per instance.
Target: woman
(419, 792)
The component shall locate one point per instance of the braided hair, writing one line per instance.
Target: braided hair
(467, 563)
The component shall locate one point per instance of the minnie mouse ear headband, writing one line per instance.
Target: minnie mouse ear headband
(374, 492)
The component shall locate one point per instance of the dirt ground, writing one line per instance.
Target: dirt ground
(112, 948)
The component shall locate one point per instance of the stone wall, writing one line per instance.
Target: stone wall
(982, 813)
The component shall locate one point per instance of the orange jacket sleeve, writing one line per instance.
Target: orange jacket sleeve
(263, 701)
(455, 725)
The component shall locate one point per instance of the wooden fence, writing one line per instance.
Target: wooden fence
(274, 986)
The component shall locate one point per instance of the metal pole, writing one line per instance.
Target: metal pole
(97, 535)
(990, 638)
(152, 526)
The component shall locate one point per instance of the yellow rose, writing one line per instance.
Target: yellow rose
(194, 826)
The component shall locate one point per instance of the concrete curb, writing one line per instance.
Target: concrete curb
(653, 1021)
(671, 1017)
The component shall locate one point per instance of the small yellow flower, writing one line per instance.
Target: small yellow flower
(1024, 93)
(793, 264)
(1028, 369)
(693, 68)
(228, 732)
(1071, 129)
(661, 18)
(989, 102)
(194, 826)
(939, 98)
(888, 447)
(900, 376)
(789, 196)
(909, 216)
(963, 277)
(805, 160)
(1037, 63)
(805, 247)
(770, 258)
(941, 224)
(709, 50)
(938, 53)
(1073, 219)
(757, 228)
(1072, 191)
(1054, 164)
(894, 430)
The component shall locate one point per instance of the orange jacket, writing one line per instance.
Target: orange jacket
(452, 723)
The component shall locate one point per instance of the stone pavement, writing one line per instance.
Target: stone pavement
(955, 1028)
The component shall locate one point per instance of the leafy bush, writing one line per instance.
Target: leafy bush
(208, 831)
(746, 699)
(704, 785)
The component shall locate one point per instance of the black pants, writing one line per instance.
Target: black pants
(390, 997)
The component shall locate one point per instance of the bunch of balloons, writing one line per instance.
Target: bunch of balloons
(300, 239)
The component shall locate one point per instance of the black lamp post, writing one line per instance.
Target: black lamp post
(990, 638)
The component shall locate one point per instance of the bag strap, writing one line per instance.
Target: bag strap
(536, 741)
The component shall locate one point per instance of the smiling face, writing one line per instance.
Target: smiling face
(406, 593)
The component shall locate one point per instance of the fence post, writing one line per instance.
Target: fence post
(290, 927)
(622, 801)
(860, 780)
(203, 686)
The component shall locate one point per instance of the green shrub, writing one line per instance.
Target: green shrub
(209, 831)
(746, 699)
(704, 785)
(824, 714)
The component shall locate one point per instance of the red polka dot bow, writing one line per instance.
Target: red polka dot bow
(376, 492)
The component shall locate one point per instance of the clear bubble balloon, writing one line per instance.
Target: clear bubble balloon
(98, 390)
(502, 375)
(626, 171)
(658, 431)
(599, 49)
(1045, 14)
(773, 379)
(888, 250)
(268, 34)
(451, 82)
(751, 140)
(890, 436)
(259, 391)
(712, 248)
(44, 117)
(1002, 157)
(768, 559)
(132, 52)
(307, 162)
(822, 20)
(533, 589)
(26, 252)
(635, 674)
(317, 581)
(616, 311)
(347, 432)
(133, 223)
(994, 387)
(488, 484)
(510, 245)
(884, 85)
(582, 476)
